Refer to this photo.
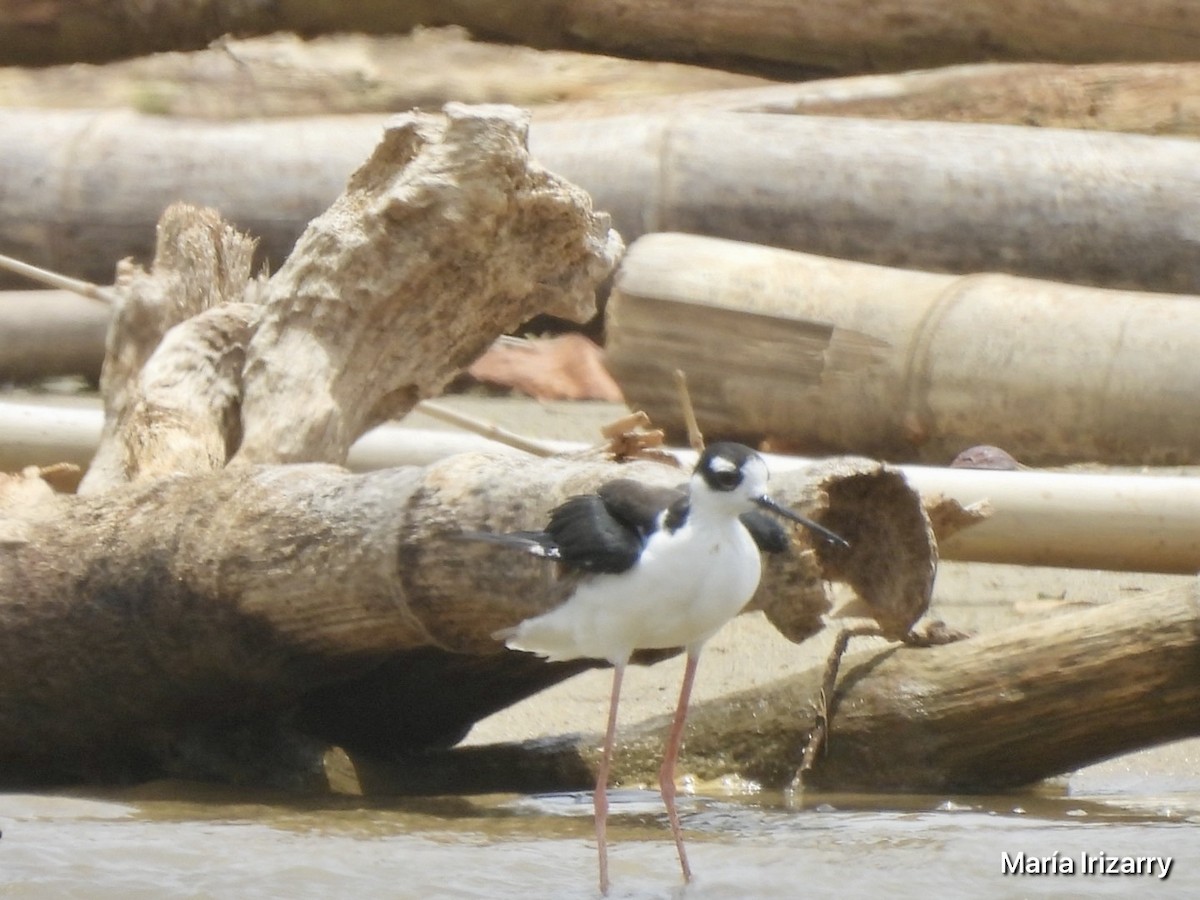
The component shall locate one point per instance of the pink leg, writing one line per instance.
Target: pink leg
(600, 797)
(666, 775)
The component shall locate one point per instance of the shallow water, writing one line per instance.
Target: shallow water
(173, 840)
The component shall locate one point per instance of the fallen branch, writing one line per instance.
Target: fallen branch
(335, 606)
(991, 713)
(147, 612)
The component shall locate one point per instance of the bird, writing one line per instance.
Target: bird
(648, 568)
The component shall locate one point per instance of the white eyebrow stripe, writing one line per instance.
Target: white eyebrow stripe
(721, 464)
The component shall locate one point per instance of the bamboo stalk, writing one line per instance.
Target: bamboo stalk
(834, 356)
(1092, 208)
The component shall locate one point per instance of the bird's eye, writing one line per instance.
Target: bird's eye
(726, 479)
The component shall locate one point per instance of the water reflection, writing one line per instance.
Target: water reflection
(172, 840)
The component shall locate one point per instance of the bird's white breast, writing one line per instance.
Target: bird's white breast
(684, 587)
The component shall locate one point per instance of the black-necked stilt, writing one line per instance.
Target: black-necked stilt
(652, 568)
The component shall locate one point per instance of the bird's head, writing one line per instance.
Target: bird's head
(729, 475)
(732, 477)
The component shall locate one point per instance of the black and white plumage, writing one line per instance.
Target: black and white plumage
(654, 568)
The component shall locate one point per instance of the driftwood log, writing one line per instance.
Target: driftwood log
(1106, 209)
(991, 713)
(207, 366)
(203, 608)
(905, 365)
(805, 36)
(146, 628)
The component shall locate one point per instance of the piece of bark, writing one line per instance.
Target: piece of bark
(991, 713)
(173, 612)
(848, 36)
(834, 356)
(1105, 209)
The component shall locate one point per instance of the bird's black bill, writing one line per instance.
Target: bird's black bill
(767, 503)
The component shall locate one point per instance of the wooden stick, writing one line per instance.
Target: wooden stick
(489, 430)
(55, 280)
(931, 634)
(695, 437)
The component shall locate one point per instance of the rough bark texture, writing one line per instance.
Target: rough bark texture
(446, 237)
(501, 238)
(171, 378)
(816, 34)
(1102, 209)
(135, 622)
(987, 714)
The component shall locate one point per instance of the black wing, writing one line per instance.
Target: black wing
(606, 531)
(768, 532)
